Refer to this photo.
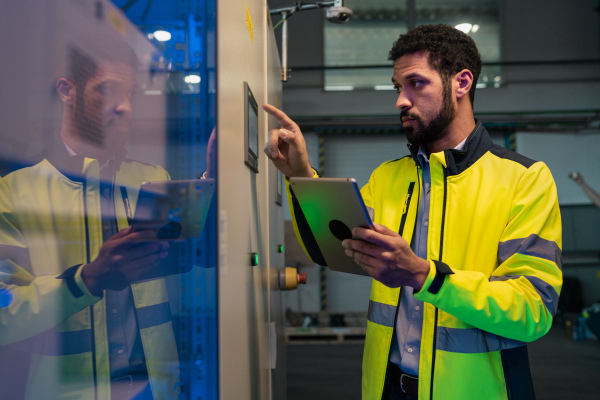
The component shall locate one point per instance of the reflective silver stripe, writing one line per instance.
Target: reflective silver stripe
(382, 314)
(157, 314)
(531, 246)
(546, 291)
(55, 343)
(472, 341)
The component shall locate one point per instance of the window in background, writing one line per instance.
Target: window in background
(479, 19)
(356, 52)
(365, 40)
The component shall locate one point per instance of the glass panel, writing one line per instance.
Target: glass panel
(108, 285)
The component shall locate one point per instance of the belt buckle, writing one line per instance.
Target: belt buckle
(130, 378)
(402, 381)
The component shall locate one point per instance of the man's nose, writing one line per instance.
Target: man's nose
(125, 106)
(403, 102)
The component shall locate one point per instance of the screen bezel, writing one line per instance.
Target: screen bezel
(251, 126)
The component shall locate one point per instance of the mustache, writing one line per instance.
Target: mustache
(406, 113)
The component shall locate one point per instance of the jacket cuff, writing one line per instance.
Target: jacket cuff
(75, 284)
(315, 175)
(428, 280)
(81, 285)
(435, 279)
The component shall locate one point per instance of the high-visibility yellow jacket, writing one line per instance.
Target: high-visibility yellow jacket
(494, 248)
(50, 225)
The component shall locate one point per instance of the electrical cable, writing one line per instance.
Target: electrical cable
(300, 6)
(286, 16)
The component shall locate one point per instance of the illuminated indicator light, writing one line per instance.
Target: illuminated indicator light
(162, 36)
(280, 248)
(254, 259)
(192, 79)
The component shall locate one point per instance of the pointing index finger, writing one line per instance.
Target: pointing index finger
(280, 116)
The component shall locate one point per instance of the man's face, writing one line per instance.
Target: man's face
(425, 101)
(103, 107)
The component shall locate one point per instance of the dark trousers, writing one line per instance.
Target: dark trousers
(392, 390)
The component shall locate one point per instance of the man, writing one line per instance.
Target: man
(465, 253)
(79, 317)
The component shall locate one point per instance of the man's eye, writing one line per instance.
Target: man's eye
(398, 88)
(102, 89)
(415, 83)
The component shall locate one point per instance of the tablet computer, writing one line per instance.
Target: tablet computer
(332, 207)
(175, 210)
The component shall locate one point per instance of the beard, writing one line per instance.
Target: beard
(89, 129)
(428, 132)
(108, 135)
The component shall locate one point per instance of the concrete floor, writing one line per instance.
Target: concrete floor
(561, 369)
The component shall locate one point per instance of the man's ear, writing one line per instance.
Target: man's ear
(66, 91)
(464, 81)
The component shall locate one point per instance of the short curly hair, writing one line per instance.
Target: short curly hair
(450, 50)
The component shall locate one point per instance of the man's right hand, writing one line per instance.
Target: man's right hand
(286, 146)
(122, 260)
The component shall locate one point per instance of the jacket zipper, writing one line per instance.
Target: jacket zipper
(435, 325)
(126, 203)
(411, 187)
(88, 259)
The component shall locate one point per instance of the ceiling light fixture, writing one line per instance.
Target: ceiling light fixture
(192, 79)
(466, 27)
(162, 36)
(341, 88)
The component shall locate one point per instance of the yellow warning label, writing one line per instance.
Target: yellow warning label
(117, 21)
(249, 23)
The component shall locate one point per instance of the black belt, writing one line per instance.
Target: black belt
(408, 384)
(131, 387)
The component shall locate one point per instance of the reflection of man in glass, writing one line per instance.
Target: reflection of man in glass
(71, 312)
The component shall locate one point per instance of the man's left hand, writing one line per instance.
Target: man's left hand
(387, 257)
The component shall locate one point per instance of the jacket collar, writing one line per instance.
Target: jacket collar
(72, 165)
(56, 153)
(69, 165)
(477, 144)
